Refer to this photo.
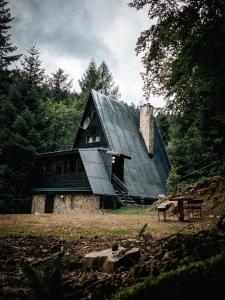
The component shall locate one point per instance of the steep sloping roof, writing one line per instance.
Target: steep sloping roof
(160, 155)
(121, 125)
(96, 172)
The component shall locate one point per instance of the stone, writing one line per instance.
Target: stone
(107, 260)
(115, 246)
(38, 204)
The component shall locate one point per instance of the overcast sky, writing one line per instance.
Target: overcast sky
(70, 33)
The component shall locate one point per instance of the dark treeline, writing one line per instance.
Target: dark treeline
(183, 55)
(38, 113)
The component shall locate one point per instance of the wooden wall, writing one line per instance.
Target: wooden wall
(55, 178)
(94, 129)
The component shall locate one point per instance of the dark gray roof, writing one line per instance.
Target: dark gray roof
(121, 125)
(96, 172)
(160, 155)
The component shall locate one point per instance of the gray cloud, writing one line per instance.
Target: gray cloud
(64, 27)
(74, 31)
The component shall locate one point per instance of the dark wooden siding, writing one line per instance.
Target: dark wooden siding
(62, 181)
(94, 129)
(47, 178)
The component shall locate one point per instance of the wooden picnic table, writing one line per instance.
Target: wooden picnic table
(180, 201)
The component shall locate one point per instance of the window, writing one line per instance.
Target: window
(92, 139)
(94, 114)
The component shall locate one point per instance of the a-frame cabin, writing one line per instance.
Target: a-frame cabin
(118, 157)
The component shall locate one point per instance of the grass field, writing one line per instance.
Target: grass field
(120, 222)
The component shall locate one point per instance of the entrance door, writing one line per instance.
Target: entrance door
(49, 203)
(118, 166)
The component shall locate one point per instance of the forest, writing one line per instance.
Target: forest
(132, 252)
(183, 56)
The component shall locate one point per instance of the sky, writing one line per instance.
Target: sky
(70, 33)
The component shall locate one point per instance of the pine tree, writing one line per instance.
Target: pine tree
(100, 79)
(60, 85)
(31, 67)
(90, 78)
(105, 83)
(6, 48)
(24, 130)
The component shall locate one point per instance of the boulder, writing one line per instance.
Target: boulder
(107, 260)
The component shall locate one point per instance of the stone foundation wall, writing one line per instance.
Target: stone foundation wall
(86, 202)
(38, 204)
(66, 203)
(62, 203)
(76, 201)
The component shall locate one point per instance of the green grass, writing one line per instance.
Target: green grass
(31, 222)
(133, 211)
(64, 232)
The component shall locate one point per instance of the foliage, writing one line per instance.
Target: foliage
(198, 280)
(46, 285)
(142, 230)
(24, 130)
(173, 182)
(64, 122)
(183, 54)
(163, 120)
(181, 186)
(7, 50)
(100, 79)
(60, 85)
(105, 83)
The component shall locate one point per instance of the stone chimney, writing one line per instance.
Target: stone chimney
(147, 126)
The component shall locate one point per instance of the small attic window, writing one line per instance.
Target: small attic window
(89, 139)
(92, 139)
(94, 114)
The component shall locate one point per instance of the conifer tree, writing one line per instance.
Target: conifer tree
(105, 82)
(24, 130)
(90, 78)
(7, 50)
(100, 79)
(60, 85)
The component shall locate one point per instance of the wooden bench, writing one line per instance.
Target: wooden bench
(162, 209)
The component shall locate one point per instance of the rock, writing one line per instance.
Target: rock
(115, 247)
(107, 260)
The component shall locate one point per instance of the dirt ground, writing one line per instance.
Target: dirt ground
(78, 224)
(35, 238)
(75, 281)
